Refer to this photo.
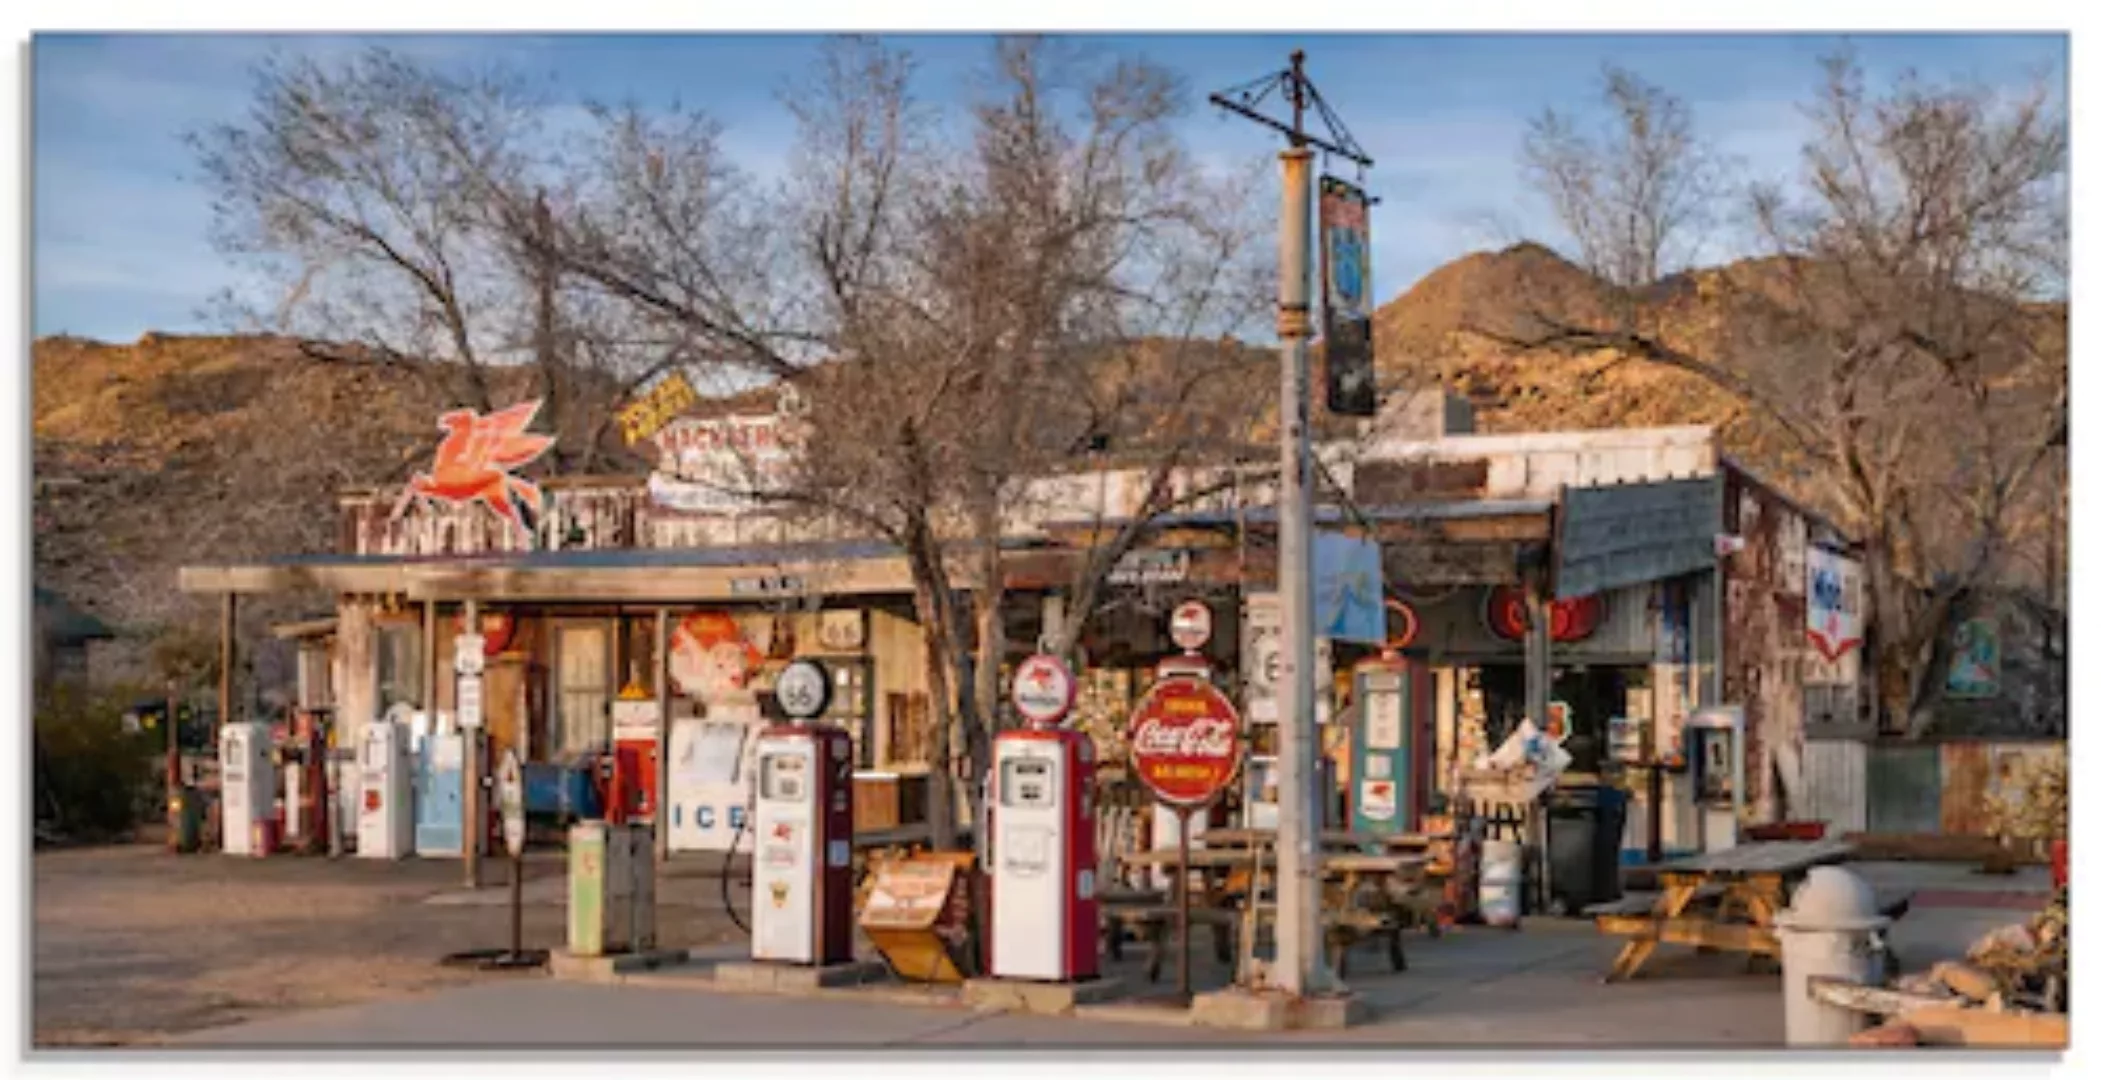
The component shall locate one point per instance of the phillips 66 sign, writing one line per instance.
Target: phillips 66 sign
(1185, 741)
(1834, 593)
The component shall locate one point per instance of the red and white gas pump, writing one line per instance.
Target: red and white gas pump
(803, 822)
(1045, 918)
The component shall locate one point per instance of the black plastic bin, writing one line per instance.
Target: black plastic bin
(1584, 827)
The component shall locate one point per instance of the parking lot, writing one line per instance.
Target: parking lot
(136, 945)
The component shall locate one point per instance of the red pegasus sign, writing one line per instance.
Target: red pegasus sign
(477, 462)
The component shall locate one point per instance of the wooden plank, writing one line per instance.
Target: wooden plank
(1966, 774)
(1945, 1025)
(1703, 933)
(1876, 1000)
(1770, 857)
(337, 578)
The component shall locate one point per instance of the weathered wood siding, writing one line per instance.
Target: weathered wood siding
(1834, 784)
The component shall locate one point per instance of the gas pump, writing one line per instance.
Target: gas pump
(247, 789)
(439, 788)
(1392, 704)
(635, 753)
(1045, 918)
(304, 758)
(1715, 751)
(803, 827)
(386, 826)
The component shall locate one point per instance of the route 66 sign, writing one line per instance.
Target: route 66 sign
(804, 689)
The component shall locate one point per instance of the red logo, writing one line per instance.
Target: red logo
(1567, 620)
(476, 460)
(1185, 741)
(1044, 689)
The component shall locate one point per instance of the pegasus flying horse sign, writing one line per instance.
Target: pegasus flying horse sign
(477, 462)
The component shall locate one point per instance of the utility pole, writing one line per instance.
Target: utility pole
(1301, 968)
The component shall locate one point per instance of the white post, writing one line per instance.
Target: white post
(1301, 962)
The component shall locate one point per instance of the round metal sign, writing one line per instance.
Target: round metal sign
(1185, 741)
(804, 689)
(1044, 689)
(1190, 627)
(510, 802)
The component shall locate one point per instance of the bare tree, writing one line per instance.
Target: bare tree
(1904, 343)
(1636, 195)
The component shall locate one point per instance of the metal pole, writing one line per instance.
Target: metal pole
(660, 823)
(517, 903)
(471, 806)
(226, 662)
(174, 777)
(1182, 904)
(1539, 688)
(1301, 965)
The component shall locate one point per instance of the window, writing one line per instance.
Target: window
(583, 687)
(316, 686)
(400, 665)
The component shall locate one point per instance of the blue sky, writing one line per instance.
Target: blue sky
(121, 230)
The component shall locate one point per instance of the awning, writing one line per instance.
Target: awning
(630, 575)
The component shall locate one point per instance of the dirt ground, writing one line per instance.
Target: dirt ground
(134, 944)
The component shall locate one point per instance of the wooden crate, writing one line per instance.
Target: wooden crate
(876, 803)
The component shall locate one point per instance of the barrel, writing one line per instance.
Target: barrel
(1502, 878)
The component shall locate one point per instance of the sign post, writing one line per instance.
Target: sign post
(510, 801)
(1185, 748)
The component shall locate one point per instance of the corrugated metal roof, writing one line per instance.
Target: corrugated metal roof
(1329, 515)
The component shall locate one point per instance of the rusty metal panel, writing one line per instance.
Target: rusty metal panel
(1966, 774)
(1382, 483)
(1904, 788)
(1834, 784)
(1630, 534)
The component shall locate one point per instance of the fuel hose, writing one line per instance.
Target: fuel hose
(729, 859)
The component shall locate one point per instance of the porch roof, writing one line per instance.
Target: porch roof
(684, 574)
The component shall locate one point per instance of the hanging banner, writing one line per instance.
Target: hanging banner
(1974, 672)
(1348, 589)
(1834, 602)
(1345, 262)
(477, 461)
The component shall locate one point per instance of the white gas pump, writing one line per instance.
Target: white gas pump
(247, 787)
(386, 823)
(803, 828)
(1045, 918)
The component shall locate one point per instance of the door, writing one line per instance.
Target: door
(583, 690)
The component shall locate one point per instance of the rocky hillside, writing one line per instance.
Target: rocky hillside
(177, 450)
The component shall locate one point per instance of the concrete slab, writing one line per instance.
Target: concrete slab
(1047, 999)
(796, 978)
(1258, 1010)
(563, 964)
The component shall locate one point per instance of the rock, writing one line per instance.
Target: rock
(1887, 1035)
(1970, 982)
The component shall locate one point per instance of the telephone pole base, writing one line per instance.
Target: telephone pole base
(1274, 1010)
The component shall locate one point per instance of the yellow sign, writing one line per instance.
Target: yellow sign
(649, 413)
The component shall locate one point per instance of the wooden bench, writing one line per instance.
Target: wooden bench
(1643, 903)
(1155, 925)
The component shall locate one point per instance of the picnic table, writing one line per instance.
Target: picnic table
(1341, 839)
(1724, 900)
(1364, 895)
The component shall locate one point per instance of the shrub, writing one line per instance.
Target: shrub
(93, 779)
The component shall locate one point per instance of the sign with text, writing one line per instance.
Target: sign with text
(721, 464)
(1834, 594)
(1044, 689)
(1262, 661)
(1185, 741)
(656, 406)
(1345, 261)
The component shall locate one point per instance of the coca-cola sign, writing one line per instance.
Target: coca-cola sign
(1185, 741)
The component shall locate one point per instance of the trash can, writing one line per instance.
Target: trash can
(1831, 929)
(186, 820)
(1584, 827)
